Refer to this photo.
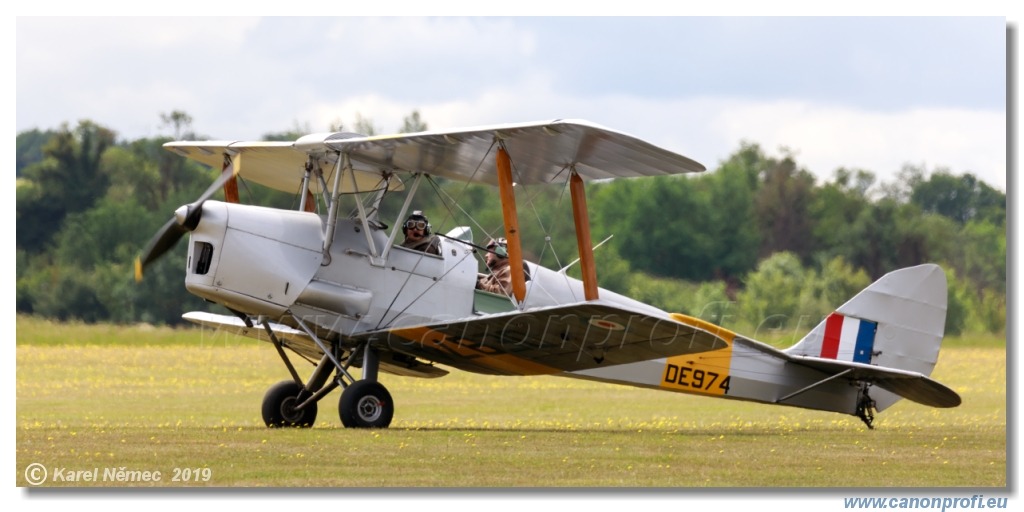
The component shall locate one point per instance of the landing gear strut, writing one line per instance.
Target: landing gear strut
(364, 403)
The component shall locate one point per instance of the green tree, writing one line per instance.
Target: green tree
(922, 237)
(961, 302)
(874, 241)
(824, 291)
(662, 292)
(180, 124)
(991, 311)
(364, 125)
(86, 205)
(295, 133)
(134, 176)
(734, 236)
(711, 302)
(961, 198)
(835, 208)
(22, 295)
(783, 204)
(111, 231)
(30, 148)
(68, 180)
(979, 255)
(413, 123)
(659, 224)
(65, 294)
(772, 296)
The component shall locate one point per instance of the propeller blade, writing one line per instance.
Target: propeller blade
(162, 241)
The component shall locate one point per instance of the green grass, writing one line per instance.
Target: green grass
(156, 399)
(37, 331)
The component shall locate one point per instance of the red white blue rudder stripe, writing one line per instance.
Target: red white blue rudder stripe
(848, 339)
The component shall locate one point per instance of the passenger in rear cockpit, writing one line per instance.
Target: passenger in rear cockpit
(418, 236)
(499, 276)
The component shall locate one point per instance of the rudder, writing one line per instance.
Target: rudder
(896, 322)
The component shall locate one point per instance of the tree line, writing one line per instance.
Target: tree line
(755, 241)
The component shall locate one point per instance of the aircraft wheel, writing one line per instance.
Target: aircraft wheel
(366, 404)
(279, 406)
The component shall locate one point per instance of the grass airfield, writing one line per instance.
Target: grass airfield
(131, 402)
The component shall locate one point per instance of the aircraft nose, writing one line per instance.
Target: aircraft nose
(189, 215)
(185, 219)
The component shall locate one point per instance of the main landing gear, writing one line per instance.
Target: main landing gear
(364, 403)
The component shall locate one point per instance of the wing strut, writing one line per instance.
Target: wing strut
(508, 211)
(231, 185)
(308, 202)
(332, 214)
(579, 216)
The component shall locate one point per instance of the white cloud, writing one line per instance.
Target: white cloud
(826, 137)
(241, 78)
(822, 137)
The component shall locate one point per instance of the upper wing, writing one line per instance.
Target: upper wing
(277, 165)
(540, 152)
(548, 340)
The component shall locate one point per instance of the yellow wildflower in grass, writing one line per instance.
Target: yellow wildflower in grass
(136, 406)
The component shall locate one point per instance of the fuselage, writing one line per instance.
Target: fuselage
(264, 261)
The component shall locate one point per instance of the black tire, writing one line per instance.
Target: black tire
(366, 404)
(279, 406)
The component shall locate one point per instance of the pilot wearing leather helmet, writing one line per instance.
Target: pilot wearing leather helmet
(418, 236)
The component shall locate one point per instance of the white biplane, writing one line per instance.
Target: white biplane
(337, 290)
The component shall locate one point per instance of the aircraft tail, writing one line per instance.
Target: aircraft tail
(896, 326)
(877, 348)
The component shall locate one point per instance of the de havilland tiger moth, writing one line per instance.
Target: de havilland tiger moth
(334, 286)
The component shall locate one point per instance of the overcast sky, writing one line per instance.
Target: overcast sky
(871, 93)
